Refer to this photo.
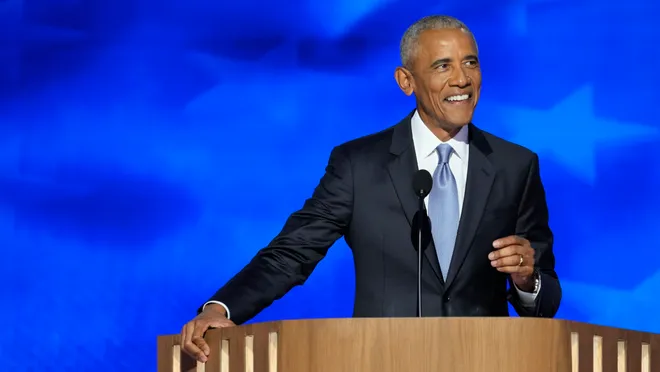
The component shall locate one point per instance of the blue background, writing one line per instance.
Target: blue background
(129, 128)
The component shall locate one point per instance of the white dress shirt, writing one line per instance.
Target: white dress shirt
(426, 143)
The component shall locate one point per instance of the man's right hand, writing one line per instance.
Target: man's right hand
(192, 334)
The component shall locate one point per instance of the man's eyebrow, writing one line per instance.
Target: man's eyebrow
(471, 57)
(441, 61)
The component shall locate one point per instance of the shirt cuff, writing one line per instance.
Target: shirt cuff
(528, 299)
(219, 303)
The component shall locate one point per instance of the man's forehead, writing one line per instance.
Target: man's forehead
(445, 37)
(433, 42)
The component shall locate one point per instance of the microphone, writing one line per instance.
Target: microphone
(422, 184)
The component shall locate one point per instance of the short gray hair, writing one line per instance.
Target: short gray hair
(409, 41)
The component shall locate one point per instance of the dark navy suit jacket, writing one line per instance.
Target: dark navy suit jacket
(366, 195)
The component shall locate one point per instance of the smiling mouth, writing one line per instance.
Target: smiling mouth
(459, 98)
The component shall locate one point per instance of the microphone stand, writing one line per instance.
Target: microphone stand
(421, 214)
(422, 184)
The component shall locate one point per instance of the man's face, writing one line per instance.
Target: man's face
(445, 76)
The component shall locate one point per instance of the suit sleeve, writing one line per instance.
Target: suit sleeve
(533, 224)
(291, 257)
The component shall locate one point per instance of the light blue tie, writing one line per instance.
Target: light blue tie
(443, 209)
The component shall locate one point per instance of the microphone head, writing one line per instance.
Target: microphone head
(422, 183)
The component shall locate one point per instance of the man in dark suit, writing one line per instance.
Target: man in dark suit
(487, 207)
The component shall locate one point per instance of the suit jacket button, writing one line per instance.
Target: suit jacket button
(446, 298)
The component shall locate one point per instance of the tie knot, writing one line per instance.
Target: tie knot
(444, 150)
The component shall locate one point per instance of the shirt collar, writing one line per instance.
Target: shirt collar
(426, 142)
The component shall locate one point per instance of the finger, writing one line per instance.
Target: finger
(200, 327)
(509, 261)
(202, 345)
(197, 339)
(511, 250)
(184, 332)
(509, 240)
(192, 334)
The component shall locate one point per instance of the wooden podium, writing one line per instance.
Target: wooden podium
(419, 345)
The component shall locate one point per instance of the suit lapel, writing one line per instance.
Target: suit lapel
(480, 176)
(402, 168)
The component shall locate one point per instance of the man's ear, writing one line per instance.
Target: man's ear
(404, 78)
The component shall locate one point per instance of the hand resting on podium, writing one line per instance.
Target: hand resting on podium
(192, 333)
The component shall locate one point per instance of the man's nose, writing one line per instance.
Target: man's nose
(459, 78)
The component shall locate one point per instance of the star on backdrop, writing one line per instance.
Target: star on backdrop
(247, 78)
(284, 89)
(571, 133)
(221, 69)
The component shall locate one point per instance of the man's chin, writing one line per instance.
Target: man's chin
(449, 121)
(459, 116)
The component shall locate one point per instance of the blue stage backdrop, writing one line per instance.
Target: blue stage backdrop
(130, 130)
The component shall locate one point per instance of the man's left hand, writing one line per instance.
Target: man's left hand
(514, 255)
